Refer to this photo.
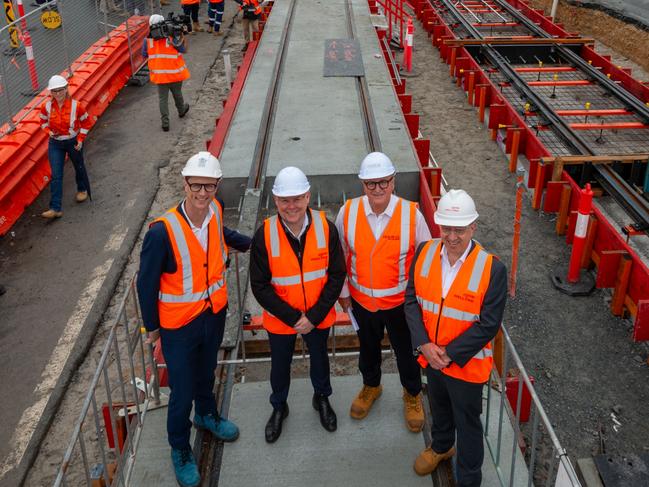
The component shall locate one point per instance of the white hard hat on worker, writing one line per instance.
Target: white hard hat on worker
(155, 19)
(203, 164)
(377, 174)
(455, 209)
(57, 82)
(290, 181)
(376, 165)
(291, 196)
(202, 174)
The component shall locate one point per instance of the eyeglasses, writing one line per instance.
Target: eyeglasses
(459, 231)
(208, 187)
(58, 90)
(383, 183)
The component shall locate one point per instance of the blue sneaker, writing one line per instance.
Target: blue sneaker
(221, 428)
(185, 467)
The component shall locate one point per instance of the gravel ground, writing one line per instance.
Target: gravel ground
(586, 366)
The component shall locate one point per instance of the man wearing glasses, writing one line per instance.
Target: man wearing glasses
(183, 296)
(455, 301)
(296, 272)
(379, 233)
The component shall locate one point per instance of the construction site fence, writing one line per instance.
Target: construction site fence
(396, 17)
(55, 37)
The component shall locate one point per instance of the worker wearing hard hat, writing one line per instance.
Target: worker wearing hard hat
(454, 306)
(167, 68)
(66, 122)
(183, 297)
(379, 233)
(296, 273)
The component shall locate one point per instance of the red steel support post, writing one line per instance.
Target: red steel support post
(513, 157)
(520, 186)
(581, 227)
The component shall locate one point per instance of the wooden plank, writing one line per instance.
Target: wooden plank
(568, 160)
(621, 285)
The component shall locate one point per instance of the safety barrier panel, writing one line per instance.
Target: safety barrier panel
(98, 75)
(509, 128)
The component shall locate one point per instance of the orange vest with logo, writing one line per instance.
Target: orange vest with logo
(199, 280)
(447, 318)
(300, 287)
(252, 4)
(166, 64)
(377, 270)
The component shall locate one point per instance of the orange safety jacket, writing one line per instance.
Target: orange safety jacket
(199, 280)
(252, 3)
(377, 270)
(298, 285)
(166, 64)
(65, 122)
(447, 318)
(189, 2)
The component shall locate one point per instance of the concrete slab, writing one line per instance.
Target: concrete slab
(377, 451)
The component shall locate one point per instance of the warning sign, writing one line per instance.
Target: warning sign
(51, 19)
(342, 57)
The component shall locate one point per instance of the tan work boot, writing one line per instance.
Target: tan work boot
(413, 411)
(197, 27)
(81, 196)
(51, 214)
(362, 404)
(210, 29)
(428, 460)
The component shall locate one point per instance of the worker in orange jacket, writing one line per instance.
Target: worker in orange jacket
(66, 122)
(379, 233)
(296, 273)
(455, 302)
(190, 8)
(250, 19)
(183, 297)
(215, 16)
(167, 68)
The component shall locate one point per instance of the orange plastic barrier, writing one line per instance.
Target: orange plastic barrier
(24, 169)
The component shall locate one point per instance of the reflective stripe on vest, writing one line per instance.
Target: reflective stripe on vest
(476, 273)
(168, 66)
(188, 296)
(73, 117)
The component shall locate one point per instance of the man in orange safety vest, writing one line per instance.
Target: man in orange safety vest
(455, 302)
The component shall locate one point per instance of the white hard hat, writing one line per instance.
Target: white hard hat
(155, 19)
(290, 181)
(56, 82)
(376, 165)
(456, 209)
(204, 165)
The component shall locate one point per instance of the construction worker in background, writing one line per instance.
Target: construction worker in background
(297, 270)
(379, 233)
(66, 122)
(454, 306)
(215, 16)
(250, 19)
(190, 8)
(167, 68)
(183, 297)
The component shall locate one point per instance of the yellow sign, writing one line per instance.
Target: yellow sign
(51, 19)
(10, 17)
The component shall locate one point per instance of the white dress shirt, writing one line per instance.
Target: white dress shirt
(449, 272)
(200, 232)
(378, 223)
(304, 224)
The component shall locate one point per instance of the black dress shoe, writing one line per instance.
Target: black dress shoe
(328, 418)
(274, 424)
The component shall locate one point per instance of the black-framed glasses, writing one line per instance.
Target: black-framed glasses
(459, 231)
(383, 183)
(208, 187)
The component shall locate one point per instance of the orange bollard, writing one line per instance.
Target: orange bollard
(578, 243)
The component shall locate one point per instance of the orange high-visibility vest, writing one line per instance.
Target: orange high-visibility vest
(166, 64)
(64, 122)
(447, 318)
(251, 3)
(377, 270)
(189, 2)
(300, 287)
(199, 280)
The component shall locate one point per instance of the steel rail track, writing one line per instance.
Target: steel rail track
(635, 205)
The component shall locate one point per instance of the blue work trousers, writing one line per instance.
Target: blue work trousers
(191, 356)
(56, 151)
(281, 354)
(215, 14)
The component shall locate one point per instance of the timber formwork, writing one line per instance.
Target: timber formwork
(567, 116)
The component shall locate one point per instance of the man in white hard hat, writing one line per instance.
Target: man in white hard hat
(66, 122)
(379, 233)
(167, 68)
(455, 302)
(183, 297)
(296, 273)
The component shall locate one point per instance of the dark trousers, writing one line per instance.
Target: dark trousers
(456, 407)
(192, 11)
(163, 99)
(215, 14)
(370, 333)
(191, 356)
(281, 354)
(56, 151)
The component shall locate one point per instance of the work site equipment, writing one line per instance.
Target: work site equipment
(456, 209)
(203, 164)
(376, 165)
(290, 181)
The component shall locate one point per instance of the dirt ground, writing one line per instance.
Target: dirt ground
(588, 371)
